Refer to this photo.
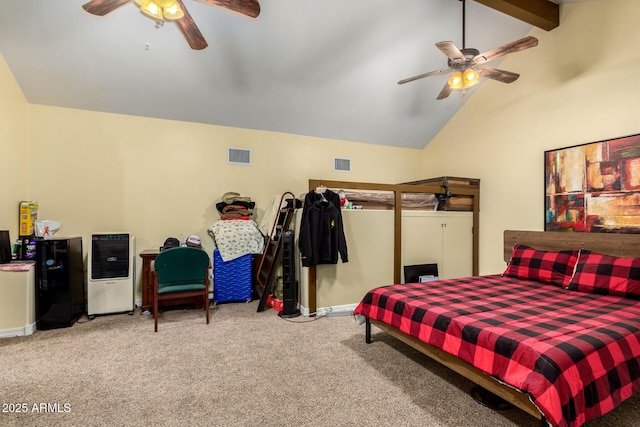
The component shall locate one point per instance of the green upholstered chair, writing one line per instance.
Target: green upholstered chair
(180, 275)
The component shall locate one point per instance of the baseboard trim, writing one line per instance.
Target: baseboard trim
(18, 332)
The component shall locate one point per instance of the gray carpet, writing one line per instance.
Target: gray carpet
(243, 369)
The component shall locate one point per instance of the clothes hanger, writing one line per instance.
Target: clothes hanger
(320, 190)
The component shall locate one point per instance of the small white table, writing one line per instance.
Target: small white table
(17, 299)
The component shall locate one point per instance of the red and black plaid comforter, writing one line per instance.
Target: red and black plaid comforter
(576, 354)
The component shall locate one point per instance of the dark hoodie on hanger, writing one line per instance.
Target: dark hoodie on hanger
(321, 231)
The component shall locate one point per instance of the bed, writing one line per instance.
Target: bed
(557, 334)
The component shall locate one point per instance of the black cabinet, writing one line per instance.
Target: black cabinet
(60, 295)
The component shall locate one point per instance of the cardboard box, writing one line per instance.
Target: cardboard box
(28, 213)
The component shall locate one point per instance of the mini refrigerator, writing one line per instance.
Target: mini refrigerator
(59, 287)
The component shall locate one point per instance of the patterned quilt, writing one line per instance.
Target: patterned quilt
(576, 354)
(236, 237)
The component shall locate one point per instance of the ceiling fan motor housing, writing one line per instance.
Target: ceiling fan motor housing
(460, 64)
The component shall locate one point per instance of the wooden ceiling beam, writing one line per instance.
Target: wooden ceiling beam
(543, 14)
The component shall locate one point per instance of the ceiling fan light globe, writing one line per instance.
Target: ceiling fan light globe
(173, 12)
(152, 10)
(166, 4)
(455, 81)
(471, 78)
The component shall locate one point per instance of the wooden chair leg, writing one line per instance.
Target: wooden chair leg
(206, 292)
(154, 278)
(206, 303)
(155, 311)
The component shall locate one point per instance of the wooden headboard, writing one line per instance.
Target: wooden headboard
(623, 245)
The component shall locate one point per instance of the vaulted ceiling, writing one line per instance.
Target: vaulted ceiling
(325, 68)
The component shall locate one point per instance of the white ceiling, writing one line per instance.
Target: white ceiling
(325, 68)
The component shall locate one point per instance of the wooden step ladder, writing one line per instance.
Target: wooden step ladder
(271, 257)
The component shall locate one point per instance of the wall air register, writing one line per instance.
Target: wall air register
(341, 164)
(239, 156)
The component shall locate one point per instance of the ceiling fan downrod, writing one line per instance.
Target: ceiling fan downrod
(464, 25)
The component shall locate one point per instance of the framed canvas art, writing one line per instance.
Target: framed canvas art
(594, 187)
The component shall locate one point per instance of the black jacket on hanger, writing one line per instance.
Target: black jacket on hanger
(321, 231)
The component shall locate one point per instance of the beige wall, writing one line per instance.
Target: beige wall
(13, 150)
(577, 86)
(98, 172)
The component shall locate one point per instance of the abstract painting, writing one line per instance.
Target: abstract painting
(594, 187)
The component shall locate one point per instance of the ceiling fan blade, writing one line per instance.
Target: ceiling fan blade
(451, 50)
(249, 8)
(190, 30)
(102, 7)
(422, 76)
(445, 92)
(516, 46)
(499, 75)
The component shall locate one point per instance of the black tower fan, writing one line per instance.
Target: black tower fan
(289, 283)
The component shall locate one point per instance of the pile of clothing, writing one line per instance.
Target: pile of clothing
(236, 234)
(235, 206)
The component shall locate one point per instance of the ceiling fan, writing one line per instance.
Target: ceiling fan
(467, 64)
(175, 10)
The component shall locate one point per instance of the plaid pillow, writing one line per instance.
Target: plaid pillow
(606, 275)
(555, 267)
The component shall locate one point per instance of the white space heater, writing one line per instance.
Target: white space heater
(111, 274)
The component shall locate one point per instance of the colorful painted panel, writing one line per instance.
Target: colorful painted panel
(594, 187)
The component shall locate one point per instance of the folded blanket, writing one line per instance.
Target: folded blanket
(235, 238)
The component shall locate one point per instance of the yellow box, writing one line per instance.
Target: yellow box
(28, 212)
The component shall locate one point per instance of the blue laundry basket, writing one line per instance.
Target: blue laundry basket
(232, 280)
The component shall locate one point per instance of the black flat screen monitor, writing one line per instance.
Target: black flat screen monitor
(420, 273)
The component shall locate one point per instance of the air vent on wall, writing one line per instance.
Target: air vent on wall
(341, 165)
(239, 156)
